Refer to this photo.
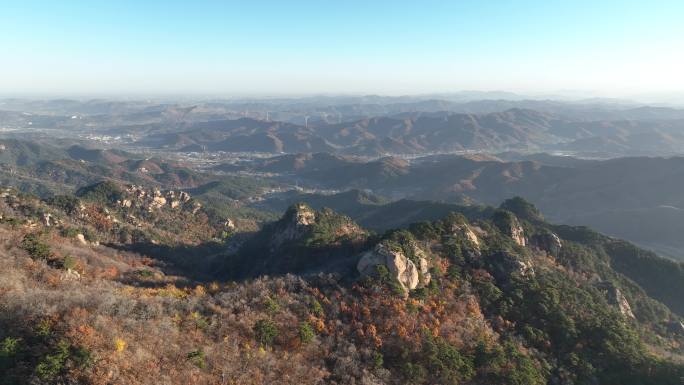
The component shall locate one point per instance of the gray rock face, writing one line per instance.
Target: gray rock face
(548, 242)
(403, 270)
(616, 298)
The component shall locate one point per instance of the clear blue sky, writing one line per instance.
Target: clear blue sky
(300, 47)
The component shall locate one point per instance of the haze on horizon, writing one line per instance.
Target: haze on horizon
(614, 48)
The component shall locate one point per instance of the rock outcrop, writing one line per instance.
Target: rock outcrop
(405, 272)
(465, 231)
(81, 238)
(70, 275)
(46, 219)
(676, 327)
(503, 265)
(616, 298)
(548, 242)
(518, 235)
(424, 277)
(509, 225)
(154, 199)
(294, 224)
(400, 268)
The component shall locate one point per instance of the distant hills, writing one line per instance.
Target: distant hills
(365, 126)
(440, 132)
(45, 167)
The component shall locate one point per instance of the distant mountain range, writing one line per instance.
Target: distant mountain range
(439, 132)
(367, 126)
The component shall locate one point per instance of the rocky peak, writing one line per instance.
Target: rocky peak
(301, 215)
(522, 209)
(509, 225)
(293, 225)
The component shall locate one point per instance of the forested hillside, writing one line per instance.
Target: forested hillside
(502, 297)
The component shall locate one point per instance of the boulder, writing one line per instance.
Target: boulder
(70, 275)
(196, 207)
(158, 202)
(183, 196)
(401, 269)
(81, 239)
(46, 219)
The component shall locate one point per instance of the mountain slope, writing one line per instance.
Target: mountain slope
(504, 299)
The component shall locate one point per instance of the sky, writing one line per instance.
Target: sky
(280, 47)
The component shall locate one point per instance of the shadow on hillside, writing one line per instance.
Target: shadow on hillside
(215, 261)
(192, 262)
